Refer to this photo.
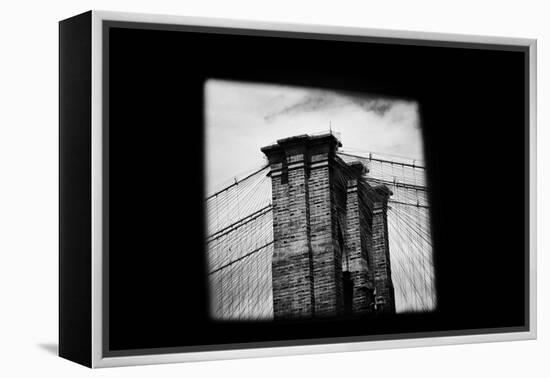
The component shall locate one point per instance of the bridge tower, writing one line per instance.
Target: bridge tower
(331, 252)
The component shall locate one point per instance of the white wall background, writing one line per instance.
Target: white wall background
(29, 185)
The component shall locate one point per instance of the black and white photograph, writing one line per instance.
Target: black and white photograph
(274, 189)
(318, 204)
(234, 189)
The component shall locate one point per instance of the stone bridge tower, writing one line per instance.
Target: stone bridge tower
(331, 253)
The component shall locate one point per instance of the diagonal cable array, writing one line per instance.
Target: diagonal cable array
(240, 248)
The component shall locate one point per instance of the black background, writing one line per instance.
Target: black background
(473, 115)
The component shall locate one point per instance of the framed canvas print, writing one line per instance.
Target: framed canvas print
(232, 189)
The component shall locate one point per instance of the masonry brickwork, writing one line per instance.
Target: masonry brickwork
(384, 292)
(331, 251)
(358, 224)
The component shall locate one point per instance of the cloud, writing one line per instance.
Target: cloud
(378, 106)
(319, 100)
(311, 101)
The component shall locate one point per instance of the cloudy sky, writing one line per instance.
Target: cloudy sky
(243, 117)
